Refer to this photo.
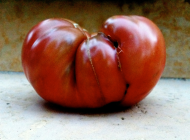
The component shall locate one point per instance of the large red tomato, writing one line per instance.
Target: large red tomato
(68, 66)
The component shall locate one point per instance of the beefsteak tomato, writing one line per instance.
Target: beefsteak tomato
(68, 66)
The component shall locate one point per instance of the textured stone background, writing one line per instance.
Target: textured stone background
(172, 17)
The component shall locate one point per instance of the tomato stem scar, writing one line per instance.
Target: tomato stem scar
(118, 50)
(119, 63)
(90, 59)
(84, 31)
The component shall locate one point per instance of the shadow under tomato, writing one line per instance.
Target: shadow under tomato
(107, 109)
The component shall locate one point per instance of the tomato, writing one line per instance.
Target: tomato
(68, 66)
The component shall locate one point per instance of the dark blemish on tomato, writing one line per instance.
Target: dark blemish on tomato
(115, 44)
(125, 92)
(127, 86)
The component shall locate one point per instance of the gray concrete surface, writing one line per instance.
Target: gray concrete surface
(163, 115)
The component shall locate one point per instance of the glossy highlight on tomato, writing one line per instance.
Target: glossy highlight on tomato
(68, 66)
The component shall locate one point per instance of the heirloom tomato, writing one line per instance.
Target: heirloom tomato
(68, 66)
